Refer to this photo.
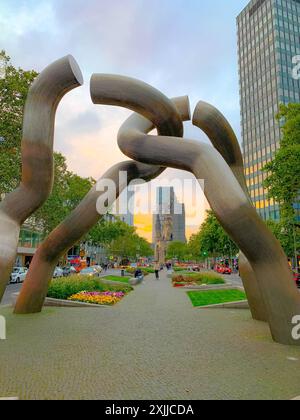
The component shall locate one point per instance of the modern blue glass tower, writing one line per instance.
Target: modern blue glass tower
(268, 48)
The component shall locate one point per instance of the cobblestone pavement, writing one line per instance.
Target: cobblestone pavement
(153, 345)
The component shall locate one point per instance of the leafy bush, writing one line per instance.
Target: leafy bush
(198, 278)
(66, 287)
(148, 270)
(179, 269)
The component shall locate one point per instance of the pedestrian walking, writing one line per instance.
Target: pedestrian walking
(157, 270)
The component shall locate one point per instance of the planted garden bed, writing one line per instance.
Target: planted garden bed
(197, 279)
(87, 290)
(98, 298)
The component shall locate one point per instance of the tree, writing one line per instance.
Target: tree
(14, 86)
(119, 239)
(130, 246)
(68, 191)
(106, 232)
(287, 234)
(77, 188)
(69, 188)
(177, 250)
(283, 180)
(211, 240)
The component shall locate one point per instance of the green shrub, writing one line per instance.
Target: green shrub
(179, 269)
(66, 287)
(148, 270)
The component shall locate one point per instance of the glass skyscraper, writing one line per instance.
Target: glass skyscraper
(268, 48)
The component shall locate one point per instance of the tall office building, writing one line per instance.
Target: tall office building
(169, 212)
(125, 207)
(268, 43)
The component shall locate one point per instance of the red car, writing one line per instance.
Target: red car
(221, 269)
(297, 279)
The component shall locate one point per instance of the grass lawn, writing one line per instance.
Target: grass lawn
(117, 278)
(214, 297)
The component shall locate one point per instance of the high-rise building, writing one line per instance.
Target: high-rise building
(126, 207)
(268, 48)
(171, 212)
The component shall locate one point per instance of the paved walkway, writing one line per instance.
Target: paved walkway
(153, 345)
(10, 290)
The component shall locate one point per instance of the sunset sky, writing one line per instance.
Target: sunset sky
(182, 47)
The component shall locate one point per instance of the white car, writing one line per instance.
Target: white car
(98, 268)
(58, 272)
(18, 275)
(90, 272)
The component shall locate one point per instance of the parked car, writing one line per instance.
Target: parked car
(227, 270)
(297, 279)
(90, 271)
(196, 268)
(18, 275)
(68, 271)
(222, 269)
(58, 272)
(98, 268)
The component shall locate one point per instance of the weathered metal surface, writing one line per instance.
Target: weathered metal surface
(219, 131)
(37, 156)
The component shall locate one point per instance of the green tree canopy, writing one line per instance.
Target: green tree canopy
(283, 179)
(177, 250)
(119, 239)
(69, 188)
(68, 191)
(211, 240)
(14, 86)
(106, 232)
(130, 245)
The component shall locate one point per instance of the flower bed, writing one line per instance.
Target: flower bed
(70, 286)
(196, 279)
(98, 298)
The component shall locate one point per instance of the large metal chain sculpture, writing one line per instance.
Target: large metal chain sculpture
(267, 278)
(86, 215)
(37, 157)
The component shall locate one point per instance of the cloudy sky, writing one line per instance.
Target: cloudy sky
(179, 46)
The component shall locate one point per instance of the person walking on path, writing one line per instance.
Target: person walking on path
(157, 270)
